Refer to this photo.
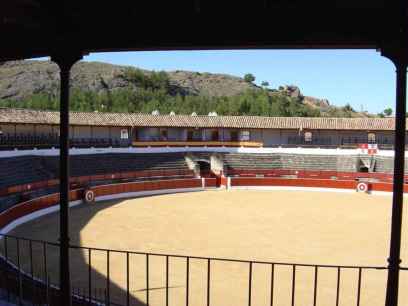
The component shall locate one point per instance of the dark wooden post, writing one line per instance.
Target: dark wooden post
(398, 55)
(65, 61)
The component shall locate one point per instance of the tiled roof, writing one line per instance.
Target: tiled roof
(8, 115)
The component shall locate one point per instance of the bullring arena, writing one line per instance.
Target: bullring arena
(292, 226)
(188, 227)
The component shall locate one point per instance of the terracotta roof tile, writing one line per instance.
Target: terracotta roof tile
(9, 115)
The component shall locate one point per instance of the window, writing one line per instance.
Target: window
(234, 135)
(135, 134)
(371, 137)
(163, 134)
(308, 136)
(154, 134)
(214, 135)
(245, 135)
(194, 135)
(189, 135)
(124, 134)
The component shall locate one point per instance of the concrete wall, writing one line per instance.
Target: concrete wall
(217, 163)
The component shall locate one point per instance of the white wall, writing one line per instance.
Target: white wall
(310, 151)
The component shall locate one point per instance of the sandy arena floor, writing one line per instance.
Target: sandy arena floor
(279, 226)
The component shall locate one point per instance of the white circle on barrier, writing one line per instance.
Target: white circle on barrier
(89, 196)
(362, 187)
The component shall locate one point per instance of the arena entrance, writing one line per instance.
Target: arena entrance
(205, 168)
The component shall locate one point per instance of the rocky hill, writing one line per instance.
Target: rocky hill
(20, 80)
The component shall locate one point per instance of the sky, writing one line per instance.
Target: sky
(362, 78)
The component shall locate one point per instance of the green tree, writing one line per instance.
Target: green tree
(348, 108)
(265, 84)
(388, 111)
(145, 99)
(249, 77)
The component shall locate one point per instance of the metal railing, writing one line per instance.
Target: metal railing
(29, 274)
(24, 141)
(360, 140)
(27, 141)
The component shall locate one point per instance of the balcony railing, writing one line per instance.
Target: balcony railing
(359, 140)
(249, 144)
(29, 272)
(24, 141)
(8, 142)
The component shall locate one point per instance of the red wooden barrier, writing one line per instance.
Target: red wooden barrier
(303, 182)
(31, 206)
(82, 180)
(210, 182)
(323, 174)
(320, 183)
(28, 207)
(145, 186)
(98, 177)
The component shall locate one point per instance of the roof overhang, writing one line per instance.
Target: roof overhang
(33, 28)
(26, 116)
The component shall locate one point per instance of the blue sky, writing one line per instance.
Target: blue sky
(360, 77)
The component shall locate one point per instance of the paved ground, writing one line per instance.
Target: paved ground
(281, 226)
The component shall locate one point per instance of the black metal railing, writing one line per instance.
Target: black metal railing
(94, 142)
(21, 140)
(27, 141)
(363, 140)
(29, 274)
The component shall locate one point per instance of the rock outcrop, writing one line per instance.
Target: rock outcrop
(21, 79)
